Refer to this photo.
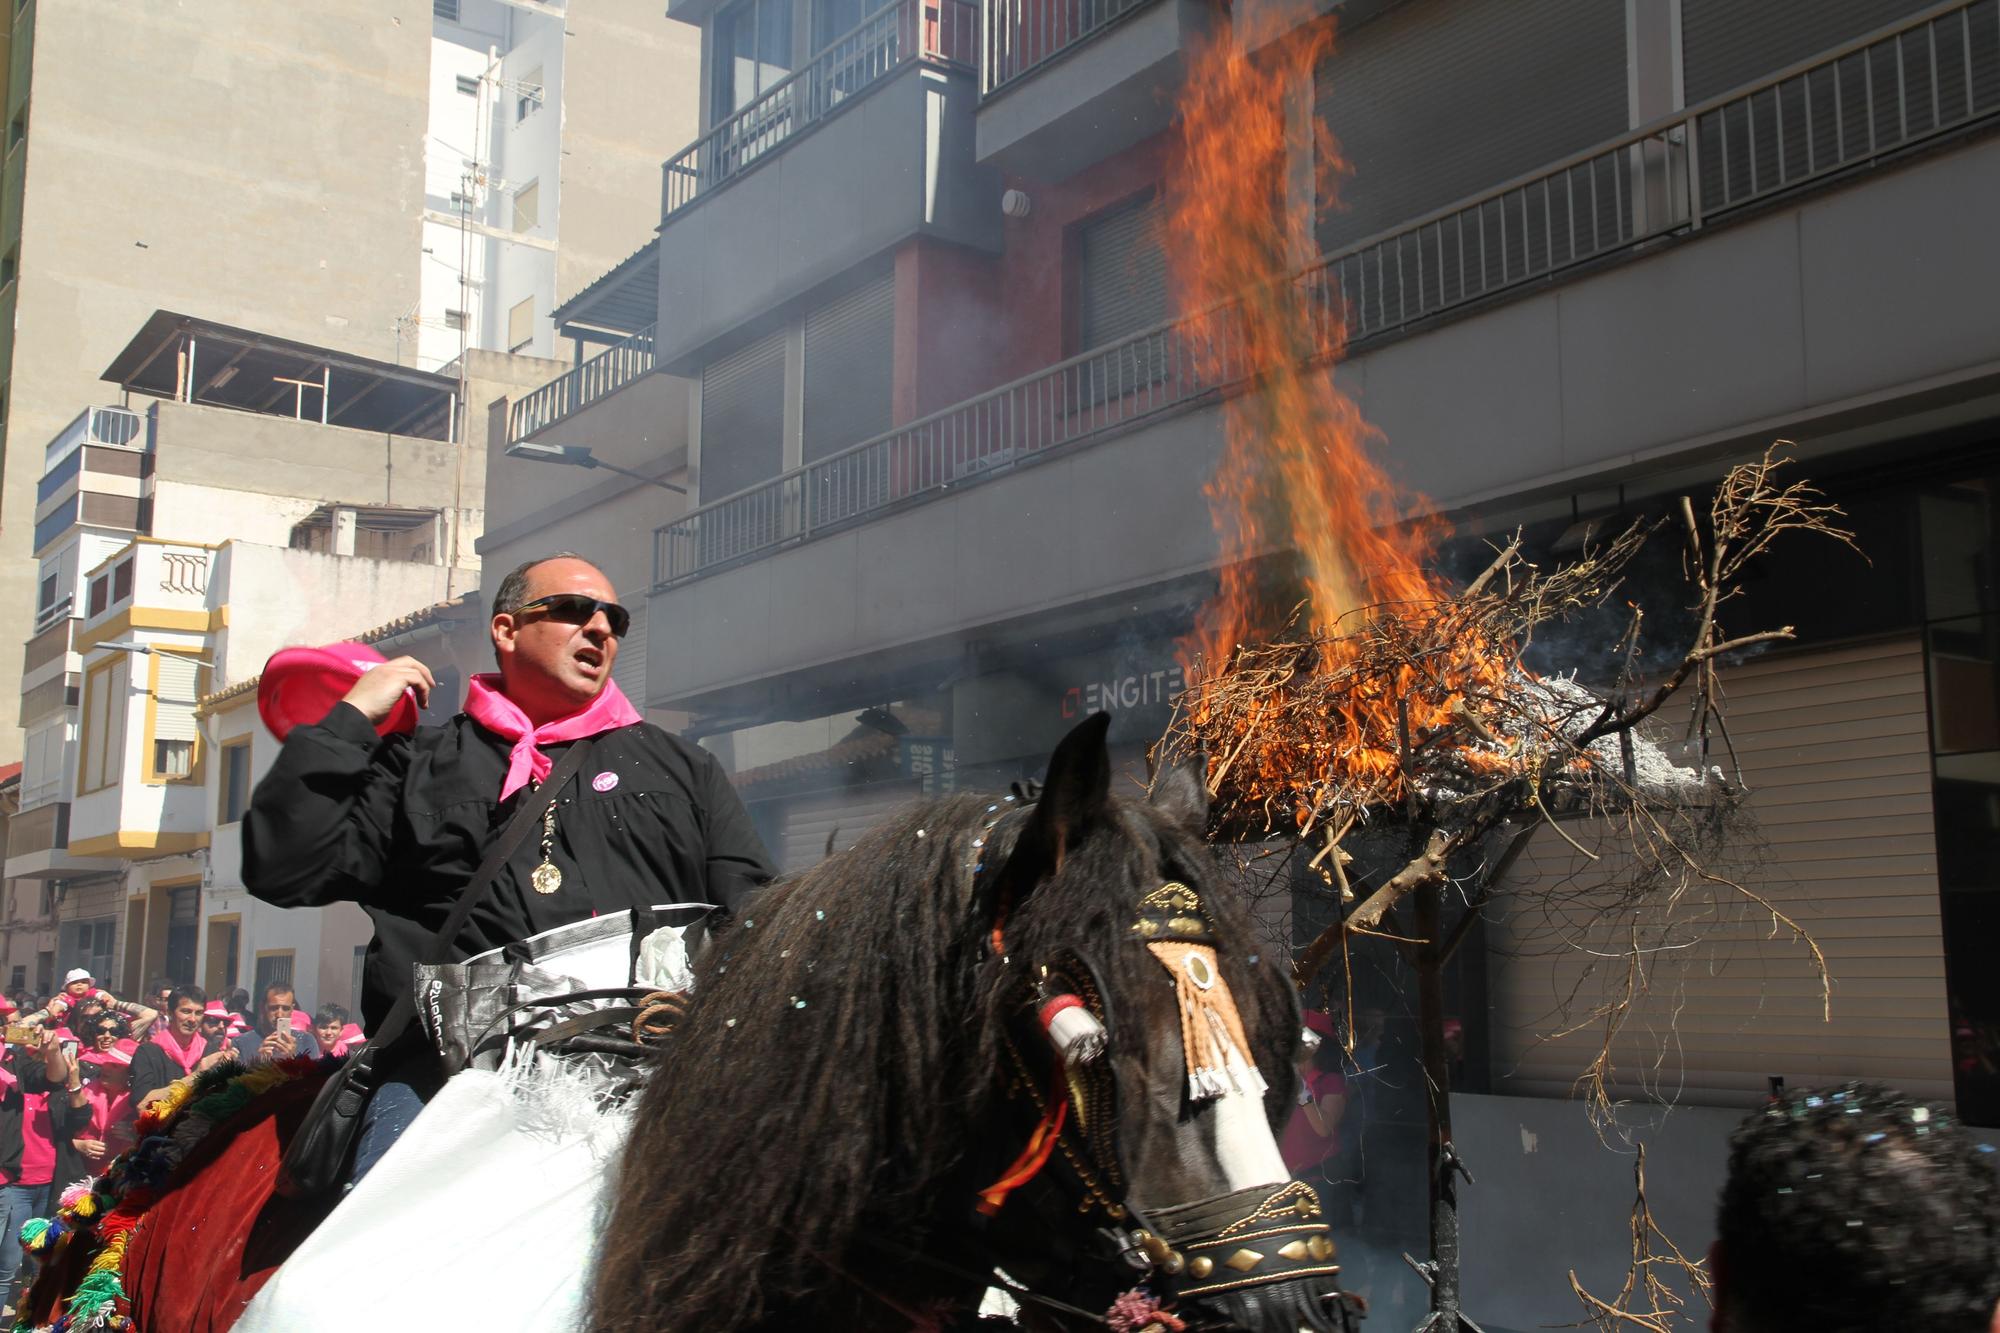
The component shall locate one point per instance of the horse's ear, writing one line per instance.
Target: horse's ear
(1178, 793)
(1072, 799)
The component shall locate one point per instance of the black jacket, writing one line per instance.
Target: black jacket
(398, 825)
(153, 1068)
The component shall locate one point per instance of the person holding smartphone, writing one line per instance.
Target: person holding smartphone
(29, 1074)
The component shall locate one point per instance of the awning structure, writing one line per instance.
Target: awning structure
(622, 302)
(196, 360)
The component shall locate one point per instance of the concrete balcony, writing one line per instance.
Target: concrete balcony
(38, 846)
(1070, 82)
(1660, 302)
(168, 580)
(93, 473)
(868, 144)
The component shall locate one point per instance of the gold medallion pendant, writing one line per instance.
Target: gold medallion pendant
(545, 877)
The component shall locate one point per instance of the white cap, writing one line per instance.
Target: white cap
(77, 974)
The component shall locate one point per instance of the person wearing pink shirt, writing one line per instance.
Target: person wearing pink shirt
(28, 1076)
(97, 1122)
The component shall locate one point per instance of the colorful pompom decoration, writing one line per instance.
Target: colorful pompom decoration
(70, 1196)
(32, 1233)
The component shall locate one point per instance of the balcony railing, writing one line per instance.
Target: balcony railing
(1022, 35)
(94, 425)
(603, 375)
(943, 31)
(1934, 74)
(47, 646)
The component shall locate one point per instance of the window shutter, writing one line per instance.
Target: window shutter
(1725, 43)
(175, 698)
(521, 324)
(850, 368)
(1124, 274)
(743, 418)
(1435, 101)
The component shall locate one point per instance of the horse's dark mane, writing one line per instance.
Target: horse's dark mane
(845, 1038)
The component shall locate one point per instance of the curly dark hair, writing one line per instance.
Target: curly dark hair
(1857, 1208)
(843, 1065)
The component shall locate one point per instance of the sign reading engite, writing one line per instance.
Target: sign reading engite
(1124, 693)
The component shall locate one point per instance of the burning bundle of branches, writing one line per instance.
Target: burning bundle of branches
(1424, 714)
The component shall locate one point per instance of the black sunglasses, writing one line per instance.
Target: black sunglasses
(573, 608)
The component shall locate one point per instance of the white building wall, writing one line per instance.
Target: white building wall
(528, 151)
(457, 153)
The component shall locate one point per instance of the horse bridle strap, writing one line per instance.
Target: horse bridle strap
(1249, 1238)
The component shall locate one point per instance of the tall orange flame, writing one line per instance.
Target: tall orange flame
(1297, 470)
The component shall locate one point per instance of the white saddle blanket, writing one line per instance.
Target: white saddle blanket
(485, 1214)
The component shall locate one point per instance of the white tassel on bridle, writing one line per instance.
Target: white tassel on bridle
(1073, 1030)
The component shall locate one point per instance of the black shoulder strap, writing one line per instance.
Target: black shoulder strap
(476, 889)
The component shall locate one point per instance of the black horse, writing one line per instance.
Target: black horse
(865, 1113)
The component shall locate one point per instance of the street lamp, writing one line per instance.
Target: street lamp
(146, 650)
(576, 455)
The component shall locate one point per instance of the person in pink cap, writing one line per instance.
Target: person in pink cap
(98, 1120)
(214, 1019)
(400, 823)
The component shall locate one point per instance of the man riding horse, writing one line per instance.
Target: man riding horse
(399, 824)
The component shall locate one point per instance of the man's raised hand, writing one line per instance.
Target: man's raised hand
(376, 693)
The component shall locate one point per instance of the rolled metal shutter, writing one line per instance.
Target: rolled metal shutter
(850, 354)
(175, 697)
(743, 418)
(1124, 274)
(1835, 746)
(842, 815)
(1437, 100)
(1727, 43)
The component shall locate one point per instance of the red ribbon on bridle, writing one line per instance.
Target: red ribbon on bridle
(1041, 1146)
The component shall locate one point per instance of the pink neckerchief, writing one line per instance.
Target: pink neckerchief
(187, 1058)
(486, 705)
(111, 1120)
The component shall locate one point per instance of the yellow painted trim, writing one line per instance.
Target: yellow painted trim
(126, 841)
(224, 919)
(150, 617)
(149, 771)
(177, 882)
(84, 737)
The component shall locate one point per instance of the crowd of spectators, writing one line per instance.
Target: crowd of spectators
(78, 1066)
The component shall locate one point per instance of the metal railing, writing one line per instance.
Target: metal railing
(601, 376)
(94, 425)
(943, 31)
(1018, 36)
(1936, 73)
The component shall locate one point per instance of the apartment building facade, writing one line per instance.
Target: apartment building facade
(348, 503)
(400, 182)
(157, 792)
(946, 440)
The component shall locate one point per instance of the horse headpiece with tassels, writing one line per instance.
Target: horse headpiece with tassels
(1233, 1242)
